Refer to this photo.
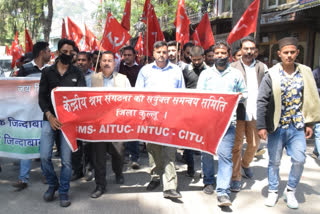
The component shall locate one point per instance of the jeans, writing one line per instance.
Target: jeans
(224, 164)
(295, 143)
(133, 150)
(317, 139)
(46, 145)
(25, 167)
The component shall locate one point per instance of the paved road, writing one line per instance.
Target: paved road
(132, 198)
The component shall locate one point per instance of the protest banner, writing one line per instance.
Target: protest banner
(184, 119)
(20, 118)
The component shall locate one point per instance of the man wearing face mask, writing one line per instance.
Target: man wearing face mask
(253, 72)
(221, 78)
(62, 73)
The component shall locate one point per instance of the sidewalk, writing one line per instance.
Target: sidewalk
(132, 197)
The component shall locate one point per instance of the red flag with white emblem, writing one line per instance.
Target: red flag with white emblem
(145, 11)
(182, 23)
(28, 42)
(114, 35)
(204, 33)
(63, 30)
(154, 33)
(15, 51)
(139, 46)
(75, 32)
(247, 23)
(90, 40)
(125, 22)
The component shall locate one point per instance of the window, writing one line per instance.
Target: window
(224, 6)
(275, 3)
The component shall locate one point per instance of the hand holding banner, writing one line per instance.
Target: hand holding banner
(179, 119)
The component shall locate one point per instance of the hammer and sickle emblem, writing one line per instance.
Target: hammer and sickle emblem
(113, 40)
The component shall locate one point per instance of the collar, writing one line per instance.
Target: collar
(89, 71)
(35, 65)
(108, 78)
(167, 67)
(251, 65)
(221, 72)
(134, 64)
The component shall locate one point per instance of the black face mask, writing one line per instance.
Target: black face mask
(221, 62)
(66, 59)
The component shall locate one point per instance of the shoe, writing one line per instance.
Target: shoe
(248, 172)
(64, 200)
(272, 199)
(208, 189)
(290, 198)
(135, 165)
(97, 192)
(260, 152)
(76, 176)
(235, 186)
(119, 179)
(171, 193)
(20, 185)
(224, 201)
(89, 175)
(49, 194)
(315, 155)
(153, 184)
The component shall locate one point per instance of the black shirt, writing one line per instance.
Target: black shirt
(131, 72)
(51, 79)
(191, 75)
(28, 69)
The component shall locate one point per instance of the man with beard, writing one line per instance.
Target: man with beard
(186, 52)
(191, 75)
(110, 79)
(209, 57)
(173, 54)
(159, 75)
(62, 73)
(221, 78)
(253, 71)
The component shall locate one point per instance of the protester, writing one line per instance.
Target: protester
(221, 78)
(82, 162)
(41, 55)
(209, 57)
(131, 68)
(110, 79)
(94, 59)
(173, 54)
(253, 71)
(288, 103)
(186, 52)
(62, 73)
(160, 75)
(236, 54)
(316, 150)
(191, 74)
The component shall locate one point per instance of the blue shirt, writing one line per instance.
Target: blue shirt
(152, 76)
(229, 80)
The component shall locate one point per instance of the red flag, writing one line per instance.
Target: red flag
(28, 42)
(139, 46)
(63, 31)
(182, 23)
(8, 50)
(203, 33)
(154, 33)
(195, 38)
(247, 23)
(114, 35)
(145, 11)
(125, 22)
(75, 32)
(15, 50)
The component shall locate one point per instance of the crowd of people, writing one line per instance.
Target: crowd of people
(278, 104)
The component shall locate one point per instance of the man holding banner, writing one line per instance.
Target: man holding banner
(160, 75)
(108, 78)
(221, 78)
(62, 73)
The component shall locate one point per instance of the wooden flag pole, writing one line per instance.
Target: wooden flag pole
(147, 45)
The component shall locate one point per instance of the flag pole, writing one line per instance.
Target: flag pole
(147, 45)
(177, 56)
(95, 69)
